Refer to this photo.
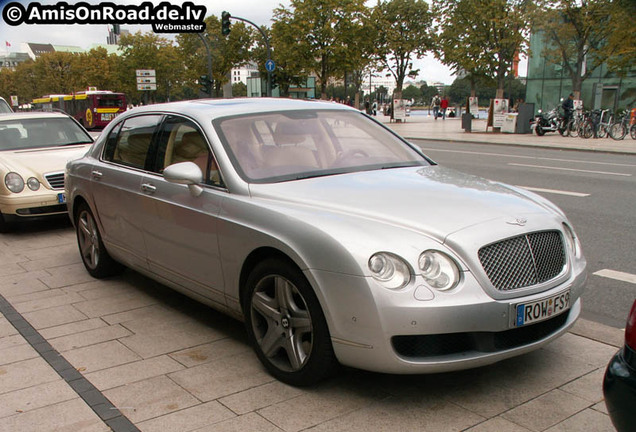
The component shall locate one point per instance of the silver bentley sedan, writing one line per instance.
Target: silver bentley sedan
(332, 238)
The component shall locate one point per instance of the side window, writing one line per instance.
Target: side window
(131, 145)
(183, 141)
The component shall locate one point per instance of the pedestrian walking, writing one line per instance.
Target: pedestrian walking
(435, 104)
(374, 107)
(443, 105)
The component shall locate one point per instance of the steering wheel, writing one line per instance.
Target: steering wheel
(352, 153)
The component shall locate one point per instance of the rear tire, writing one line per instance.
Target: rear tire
(632, 131)
(92, 250)
(286, 325)
(539, 131)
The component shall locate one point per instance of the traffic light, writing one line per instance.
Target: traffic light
(206, 84)
(116, 29)
(225, 23)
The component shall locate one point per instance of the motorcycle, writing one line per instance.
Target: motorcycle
(552, 121)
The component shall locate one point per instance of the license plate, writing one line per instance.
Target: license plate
(61, 198)
(532, 312)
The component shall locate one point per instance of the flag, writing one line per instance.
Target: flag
(7, 43)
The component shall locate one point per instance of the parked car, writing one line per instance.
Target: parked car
(4, 106)
(34, 150)
(619, 385)
(335, 240)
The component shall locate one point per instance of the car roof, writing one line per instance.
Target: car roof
(31, 115)
(216, 108)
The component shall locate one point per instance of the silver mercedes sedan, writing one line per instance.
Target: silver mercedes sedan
(332, 238)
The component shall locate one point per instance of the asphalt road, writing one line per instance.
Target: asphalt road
(596, 190)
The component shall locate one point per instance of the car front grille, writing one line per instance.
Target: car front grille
(56, 180)
(523, 261)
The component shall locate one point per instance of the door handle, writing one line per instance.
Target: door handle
(96, 174)
(148, 188)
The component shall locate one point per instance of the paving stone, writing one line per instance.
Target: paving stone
(54, 298)
(17, 353)
(66, 275)
(90, 337)
(547, 410)
(73, 415)
(72, 328)
(581, 349)
(189, 419)
(35, 397)
(101, 356)
(588, 387)
(54, 316)
(360, 412)
(250, 422)
(114, 304)
(223, 377)
(150, 398)
(150, 341)
(132, 372)
(497, 424)
(24, 374)
(260, 397)
(207, 353)
(587, 420)
(6, 328)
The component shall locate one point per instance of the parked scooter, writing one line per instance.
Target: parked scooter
(552, 121)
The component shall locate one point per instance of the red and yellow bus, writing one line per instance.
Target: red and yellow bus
(93, 108)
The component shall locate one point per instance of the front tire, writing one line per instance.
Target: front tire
(4, 225)
(92, 250)
(286, 325)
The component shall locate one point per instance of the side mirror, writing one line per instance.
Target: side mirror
(187, 173)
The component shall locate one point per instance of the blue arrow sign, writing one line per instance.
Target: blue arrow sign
(270, 65)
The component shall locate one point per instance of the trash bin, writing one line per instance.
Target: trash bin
(467, 120)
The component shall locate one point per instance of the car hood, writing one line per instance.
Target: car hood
(40, 160)
(433, 200)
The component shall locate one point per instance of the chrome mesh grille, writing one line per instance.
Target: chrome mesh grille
(56, 180)
(523, 261)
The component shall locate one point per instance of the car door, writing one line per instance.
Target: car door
(182, 236)
(119, 196)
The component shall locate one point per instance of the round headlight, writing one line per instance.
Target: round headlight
(14, 182)
(439, 270)
(389, 270)
(33, 183)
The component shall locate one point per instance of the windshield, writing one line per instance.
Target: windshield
(110, 101)
(273, 147)
(4, 107)
(18, 134)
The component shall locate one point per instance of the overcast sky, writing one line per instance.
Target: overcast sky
(258, 11)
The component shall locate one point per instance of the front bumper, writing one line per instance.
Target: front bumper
(416, 330)
(32, 204)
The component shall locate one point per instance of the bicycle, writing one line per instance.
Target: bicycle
(632, 131)
(619, 129)
(575, 122)
(602, 129)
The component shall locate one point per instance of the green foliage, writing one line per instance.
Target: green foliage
(482, 37)
(403, 33)
(461, 89)
(239, 90)
(320, 36)
(582, 35)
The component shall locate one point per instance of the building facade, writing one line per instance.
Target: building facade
(548, 83)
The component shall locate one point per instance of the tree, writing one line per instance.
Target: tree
(319, 35)
(483, 37)
(227, 51)
(239, 89)
(403, 33)
(149, 51)
(581, 35)
(411, 92)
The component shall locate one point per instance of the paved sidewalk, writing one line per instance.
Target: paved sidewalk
(420, 125)
(129, 354)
